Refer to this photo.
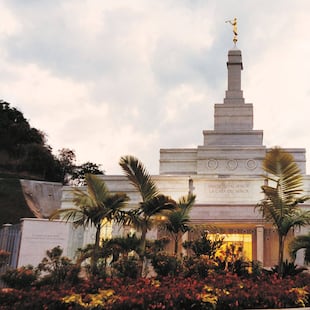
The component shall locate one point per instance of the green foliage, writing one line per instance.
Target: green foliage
(79, 172)
(15, 130)
(165, 264)
(283, 194)
(127, 267)
(155, 246)
(23, 149)
(204, 245)
(198, 266)
(300, 243)
(72, 173)
(66, 158)
(153, 204)
(20, 278)
(178, 221)
(121, 246)
(57, 269)
(92, 208)
(257, 268)
(234, 262)
(288, 269)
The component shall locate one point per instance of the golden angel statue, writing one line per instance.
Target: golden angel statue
(235, 31)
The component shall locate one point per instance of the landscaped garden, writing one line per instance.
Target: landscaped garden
(196, 282)
(134, 273)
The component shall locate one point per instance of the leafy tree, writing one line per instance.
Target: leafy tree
(94, 207)
(178, 221)
(67, 160)
(204, 245)
(57, 268)
(122, 246)
(153, 204)
(283, 194)
(71, 171)
(299, 243)
(79, 172)
(23, 149)
(38, 160)
(15, 130)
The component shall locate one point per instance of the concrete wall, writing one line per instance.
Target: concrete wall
(40, 235)
(43, 198)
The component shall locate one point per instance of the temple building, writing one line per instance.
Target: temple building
(225, 174)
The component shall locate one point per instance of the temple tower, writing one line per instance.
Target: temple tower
(233, 147)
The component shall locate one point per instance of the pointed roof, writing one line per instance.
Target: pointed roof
(233, 119)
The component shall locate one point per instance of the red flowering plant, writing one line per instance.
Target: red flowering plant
(33, 298)
(199, 266)
(215, 291)
(20, 278)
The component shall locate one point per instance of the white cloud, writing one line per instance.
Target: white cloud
(109, 78)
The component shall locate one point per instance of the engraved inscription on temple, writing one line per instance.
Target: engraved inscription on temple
(228, 188)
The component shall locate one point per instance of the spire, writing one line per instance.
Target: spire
(234, 114)
(234, 94)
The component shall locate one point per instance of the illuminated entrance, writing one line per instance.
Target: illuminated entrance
(240, 244)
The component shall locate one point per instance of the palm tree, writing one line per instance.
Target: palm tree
(92, 208)
(298, 243)
(178, 221)
(282, 196)
(153, 204)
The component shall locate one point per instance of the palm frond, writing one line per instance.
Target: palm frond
(81, 198)
(186, 202)
(74, 215)
(113, 204)
(283, 170)
(177, 221)
(96, 188)
(157, 205)
(298, 243)
(134, 217)
(139, 177)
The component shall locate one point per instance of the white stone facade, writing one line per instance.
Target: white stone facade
(224, 173)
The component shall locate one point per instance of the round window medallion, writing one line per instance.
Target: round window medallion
(251, 164)
(232, 164)
(212, 164)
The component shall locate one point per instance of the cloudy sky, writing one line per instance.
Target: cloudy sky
(109, 78)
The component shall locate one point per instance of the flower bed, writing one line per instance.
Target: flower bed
(216, 291)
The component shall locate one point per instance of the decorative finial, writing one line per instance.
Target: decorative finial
(234, 24)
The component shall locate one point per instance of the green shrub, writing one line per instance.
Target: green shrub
(19, 278)
(57, 268)
(165, 264)
(127, 267)
(288, 269)
(198, 266)
(204, 245)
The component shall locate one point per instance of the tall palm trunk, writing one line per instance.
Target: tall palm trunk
(143, 240)
(142, 249)
(176, 243)
(94, 258)
(281, 254)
